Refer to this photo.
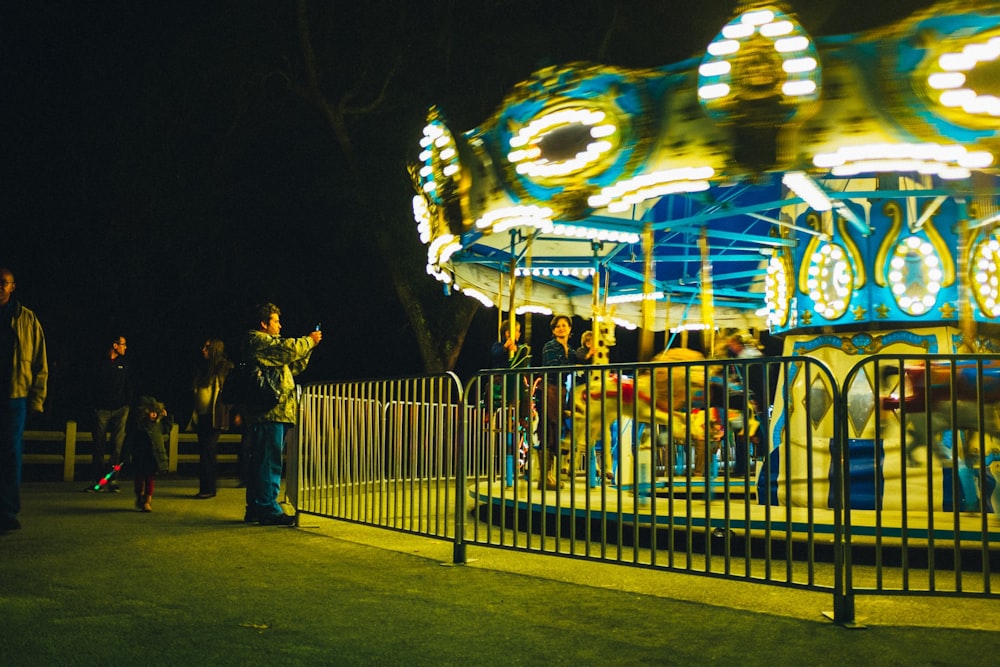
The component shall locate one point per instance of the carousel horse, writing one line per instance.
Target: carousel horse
(935, 414)
(605, 398)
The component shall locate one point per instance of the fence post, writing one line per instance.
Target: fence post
(173, 447)
(458, 550)
(843, 594)
(69, 452)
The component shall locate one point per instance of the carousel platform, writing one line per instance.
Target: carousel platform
(731, 507)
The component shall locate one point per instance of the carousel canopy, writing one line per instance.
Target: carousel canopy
(695, 188)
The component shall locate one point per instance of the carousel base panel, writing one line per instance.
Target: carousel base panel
(730, 508)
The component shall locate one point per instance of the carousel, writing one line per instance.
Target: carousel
(839, 192)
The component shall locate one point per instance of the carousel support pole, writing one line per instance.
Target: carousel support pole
(512, 317)
(648, 305)
(967, 322)
(512, 422)
(707, 296)
(527, 290)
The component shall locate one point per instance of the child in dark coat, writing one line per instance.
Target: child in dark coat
(148, 447)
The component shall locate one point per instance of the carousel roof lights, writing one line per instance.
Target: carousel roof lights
(988, 105)
(915, 275)
(752, 45)
(478, 296)
(777, 291)
(830, 281)
(945, 81)
(799, 65)
(693, 326)
(725, 47)
(440, 274)
(791, 44)
(554, 119)
(927, 167)
(757, 17)
(528, 166)
(957, 98)
(948, 161)
(776, 28)
(502, 219)
(713, 91)
(623, 194)
(986, 254)
(952, 78)
(527, 153)
(716, 68)
(442, 248)
(422, 218)
(805, 187)
(531, 308)
(632, 298)
(594, 233)
(970, 56)
(545, 271)
(433, 130)
(738, 30)
(601, 131)
(795, 88)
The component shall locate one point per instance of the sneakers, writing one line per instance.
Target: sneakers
(112, 488)
(277, 520)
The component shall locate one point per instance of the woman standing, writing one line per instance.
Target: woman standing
(210, 417)
(555, 352)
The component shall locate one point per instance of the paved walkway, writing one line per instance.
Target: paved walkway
(88, 580)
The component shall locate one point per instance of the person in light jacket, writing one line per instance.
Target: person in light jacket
(24, 374)
(281, 359)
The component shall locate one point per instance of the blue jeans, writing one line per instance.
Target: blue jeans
(267, 446)
(13, 413)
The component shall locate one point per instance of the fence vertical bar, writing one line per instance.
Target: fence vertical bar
(843, 596)
(458, 549)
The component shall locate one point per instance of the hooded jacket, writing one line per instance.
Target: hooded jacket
(30, 375)
(285, 358)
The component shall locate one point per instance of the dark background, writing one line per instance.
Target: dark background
(161, 174)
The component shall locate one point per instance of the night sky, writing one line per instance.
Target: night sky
(162, 172)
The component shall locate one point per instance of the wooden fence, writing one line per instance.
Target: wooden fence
(39, 448)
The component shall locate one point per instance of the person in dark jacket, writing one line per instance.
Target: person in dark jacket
(210, 416)
(148, 448)
(112, 397)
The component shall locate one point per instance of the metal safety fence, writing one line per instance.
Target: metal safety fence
(921, 505)
(380, 452)
(762, 470)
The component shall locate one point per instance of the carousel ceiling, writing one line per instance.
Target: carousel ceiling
(681, 188)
